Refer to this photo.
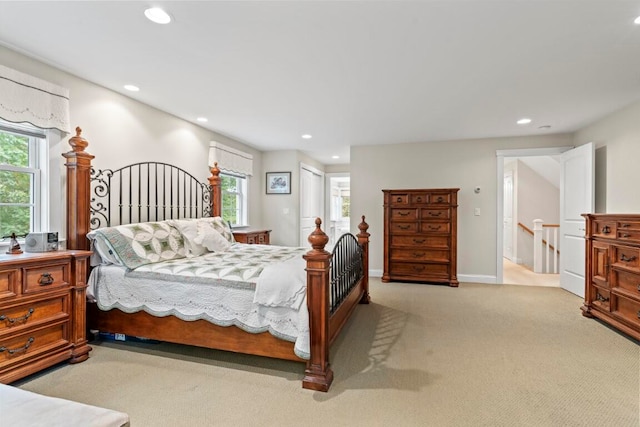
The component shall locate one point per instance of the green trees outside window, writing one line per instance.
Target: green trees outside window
(15, 185)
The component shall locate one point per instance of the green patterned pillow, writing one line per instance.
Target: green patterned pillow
(145, 242)
(221, 226)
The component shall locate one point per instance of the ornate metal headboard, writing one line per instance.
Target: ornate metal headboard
(146, 191)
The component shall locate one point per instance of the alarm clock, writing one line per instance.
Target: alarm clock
(41, 242)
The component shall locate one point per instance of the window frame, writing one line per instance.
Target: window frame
(241, 195)
(38, 169)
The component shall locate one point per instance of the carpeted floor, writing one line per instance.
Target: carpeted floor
(419, 355)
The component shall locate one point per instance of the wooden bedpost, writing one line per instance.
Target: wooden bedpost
(318, 374)
(363, 240)
(78, 192)
(216, 190)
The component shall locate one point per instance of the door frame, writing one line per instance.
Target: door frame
(500, 155)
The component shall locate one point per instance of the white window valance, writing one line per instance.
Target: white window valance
(230, 160)
(24, 98)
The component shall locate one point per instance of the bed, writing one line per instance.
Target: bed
(164, 197)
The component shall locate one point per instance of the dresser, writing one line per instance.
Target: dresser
(612, 285)
(42, 311)
(260, 237)
(420, 235)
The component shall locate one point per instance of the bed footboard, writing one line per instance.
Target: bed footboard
(336, 283)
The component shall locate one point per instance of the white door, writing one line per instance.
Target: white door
(311, 201)
(576, 197)
(508, 216)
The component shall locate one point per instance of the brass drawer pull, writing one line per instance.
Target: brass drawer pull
(16, 350)
(418, 254)
(418, 268)
(423, 240)
(404, 227)
(638, 315)
(626, 235)
(440, 199)
(606, 229)
(404, 213)
(45, 279)
(601, 298)
(625, 225)
(625, 258)
(419, 199)
(435, 214)
(638, 288)
(399, 200)
(23, 318)
(433, 227)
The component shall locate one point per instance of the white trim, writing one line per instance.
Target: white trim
(229, 159)
(375, 273)
(477, 278)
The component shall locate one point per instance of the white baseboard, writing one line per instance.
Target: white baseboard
(477, 278)
(375, 273)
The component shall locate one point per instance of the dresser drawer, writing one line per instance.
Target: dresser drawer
(435, 227)
(24, 315)
(420, 270)
(399, 199)
(440, 198)
(601, 298)
(9, 282)
(45, 277)
(404, 214)
(429, 241)
(628, 309)
(627, 282)
(403, 227)
(604, 228)
(628, 231)
(420, 254)
(625, 257)
(30, 344)
(435, 214)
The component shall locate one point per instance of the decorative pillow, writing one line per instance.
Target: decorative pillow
(103, 253)
(210, 238)
(189, 230)
(221, 227)
(144, 243)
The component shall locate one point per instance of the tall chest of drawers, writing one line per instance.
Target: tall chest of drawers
(612, 283)
(420, 235)
(42, 311)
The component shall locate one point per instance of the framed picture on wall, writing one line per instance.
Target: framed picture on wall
(278, 182)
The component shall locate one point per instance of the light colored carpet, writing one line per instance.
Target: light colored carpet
(428, 355)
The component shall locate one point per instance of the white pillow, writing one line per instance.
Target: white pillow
(103, 253)
(210, 238)
(189, 230)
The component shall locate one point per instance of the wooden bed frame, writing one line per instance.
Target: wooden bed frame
(324, 323)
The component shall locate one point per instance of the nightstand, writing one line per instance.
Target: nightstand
(42, 311)
(252, 236)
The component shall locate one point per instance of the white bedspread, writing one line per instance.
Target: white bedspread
(221, 302)
(24, 408)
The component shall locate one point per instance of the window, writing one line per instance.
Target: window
(23, 154)
(234, 199)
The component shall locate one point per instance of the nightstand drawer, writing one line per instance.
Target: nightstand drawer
(32, 343)
(45, 277)
(628, 310)
(9, 283)
(419, 269)
(14, 317)
(419, 254)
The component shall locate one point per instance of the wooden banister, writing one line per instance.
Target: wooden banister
(528, 230)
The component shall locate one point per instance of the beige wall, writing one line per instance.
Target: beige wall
(451, 164)
(121, 131)
(617, 141)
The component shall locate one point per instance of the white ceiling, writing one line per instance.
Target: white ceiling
(350, 72)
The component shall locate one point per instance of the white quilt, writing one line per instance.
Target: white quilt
(275, 303)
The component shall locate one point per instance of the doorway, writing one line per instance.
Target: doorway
(338, 202)
(528, 189)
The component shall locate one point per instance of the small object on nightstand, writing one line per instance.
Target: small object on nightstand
(14, 246)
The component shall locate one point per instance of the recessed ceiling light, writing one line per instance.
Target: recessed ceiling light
(157, 15)
(132, 88)
(306, 136)
(335, 157)
(524, 121)
(202, 119)
(637, 21)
